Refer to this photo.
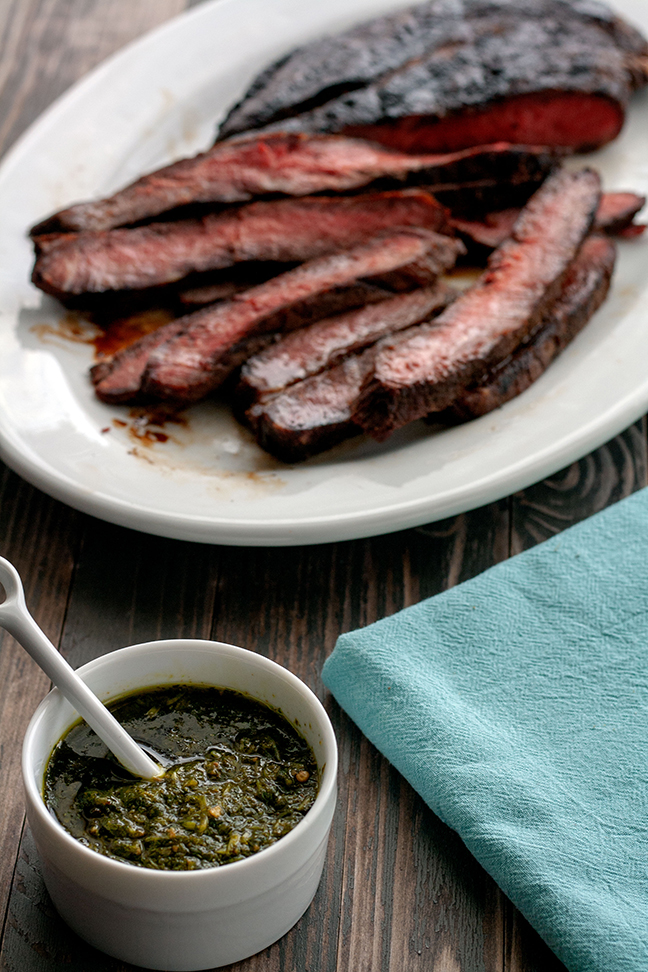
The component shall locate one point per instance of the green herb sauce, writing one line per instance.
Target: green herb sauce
(239, 777)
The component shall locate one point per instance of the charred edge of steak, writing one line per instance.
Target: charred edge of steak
(615, 214)
(183, 369)
(286, 164)
(383, 66)
(617, 211)
(424, 369)
(284, 230)
(117, 380)
(315, 414)
(307, 351)
(321, 287)
(585, 288)
(470, 201)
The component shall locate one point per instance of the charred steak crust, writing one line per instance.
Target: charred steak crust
(295, 165)
(445, 58)
(424, 369)
(584, 290)
(284, 230)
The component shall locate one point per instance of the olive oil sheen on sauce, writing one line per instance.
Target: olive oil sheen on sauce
(239, 778)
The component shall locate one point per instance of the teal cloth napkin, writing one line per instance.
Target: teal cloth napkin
(516, 704)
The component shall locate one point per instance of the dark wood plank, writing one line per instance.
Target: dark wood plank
(39, 537)
(615, 470)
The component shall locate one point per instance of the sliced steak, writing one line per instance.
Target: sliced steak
(452, 73)
(423, 370)
(285, 230)
(315, 414)
(614, 215)
(293, 165)
(584, 290)
(617, 211)
(190, 365)
(288, 300)
(312, 349)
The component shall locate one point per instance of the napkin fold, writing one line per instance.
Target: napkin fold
(516, 704)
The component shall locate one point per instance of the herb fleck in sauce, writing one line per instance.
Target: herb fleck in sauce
(240, 777)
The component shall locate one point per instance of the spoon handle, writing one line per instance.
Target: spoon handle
(17, 620)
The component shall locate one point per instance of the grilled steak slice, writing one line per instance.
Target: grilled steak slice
(315, 289)
(584, 290)
(293, 165)
(451, 73)
(423, 370)
(190, 365)
(118, 379)
(285, 230)
(617, 211)
(614, 215)
(315, 414)
(312, 349)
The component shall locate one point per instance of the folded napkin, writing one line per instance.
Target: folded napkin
(516, 704)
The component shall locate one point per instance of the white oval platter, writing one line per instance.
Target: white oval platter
(157, 100)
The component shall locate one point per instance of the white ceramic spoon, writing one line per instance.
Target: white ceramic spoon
(17, 620)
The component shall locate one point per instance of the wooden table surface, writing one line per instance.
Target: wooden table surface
(399, 891)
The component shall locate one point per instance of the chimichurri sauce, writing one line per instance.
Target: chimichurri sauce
(239, 778)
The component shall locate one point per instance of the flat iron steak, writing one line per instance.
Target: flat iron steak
(204, 346)
(447, 74)
(584, 289)
(285, 230)
(423, 371)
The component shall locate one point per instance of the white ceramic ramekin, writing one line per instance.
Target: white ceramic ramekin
(194, 919)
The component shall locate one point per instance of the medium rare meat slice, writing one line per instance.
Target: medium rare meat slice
(614, 215)
(315, 414)
(194, 362)
(300, 296)
(425, 369)
(312, 349)
(294, 165)
(452, 73)
(284, 230)
(583, 291)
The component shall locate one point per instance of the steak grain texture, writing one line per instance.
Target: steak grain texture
(202, 358)
(584, 290)
(451, 73)
(286, 230)
(307, 351)
(195, 361)
(315, 414)
(424, 369)
(292, 165)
